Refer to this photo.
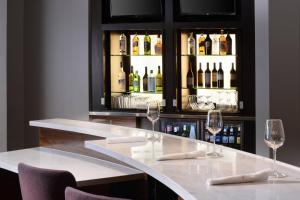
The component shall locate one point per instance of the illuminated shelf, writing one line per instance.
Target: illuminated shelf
(136, 93)
(117, 55)
(213, 89)
(210, 55)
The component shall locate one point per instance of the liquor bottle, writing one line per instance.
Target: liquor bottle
(122, 79)
(136, 82)
(169, 129)
(229, 44)
(131, 77)
(214, 77)
(184, 132)
(200, 76)
(232, 77)
(208, 45)
(215, 45)
(135, 45)
(220, 76)
(222, 44)
(123, 44)
(151, 82)
(238, 137)
(145, 81)
(175, 130)
(147, 45)
(191, 45)
(158, 46)
(201, 42)
(207, 76)
(190, 77)
(159, 86)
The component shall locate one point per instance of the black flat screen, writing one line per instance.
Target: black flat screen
(135, 8)
(207, 7)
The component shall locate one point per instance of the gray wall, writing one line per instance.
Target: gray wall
(285, 73)
(261, 72)
(3, 80)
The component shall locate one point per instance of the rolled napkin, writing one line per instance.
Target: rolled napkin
(243, 178)
(116, 140)
(180, 156)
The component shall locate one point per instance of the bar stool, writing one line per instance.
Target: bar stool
(74, 194)
(44, 184)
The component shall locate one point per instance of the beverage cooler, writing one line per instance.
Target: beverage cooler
(134, 69)
(209, 68)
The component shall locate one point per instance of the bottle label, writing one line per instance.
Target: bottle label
(158, 82)
(223, 48)
(151, 84)
(192, 48)
(145, 84)
(207, 79)
(220, 77)
(231, 139)
(122, 46)
(238, 140)
(214, 76)
(190, 81)
(147, 47)
(135, 44)
(225, 139)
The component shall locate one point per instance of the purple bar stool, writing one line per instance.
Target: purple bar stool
(74, 194)
(44, 184)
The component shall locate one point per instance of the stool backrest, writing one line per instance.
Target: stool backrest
(44, 184)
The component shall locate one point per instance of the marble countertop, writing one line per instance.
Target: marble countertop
(187, 177)
(86, 170)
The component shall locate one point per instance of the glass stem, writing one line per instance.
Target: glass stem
(153, 124)
(274, 161)
(214, 150)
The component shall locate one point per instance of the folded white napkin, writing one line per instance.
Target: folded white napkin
(243, 178)
(115, 140)
(179, 156)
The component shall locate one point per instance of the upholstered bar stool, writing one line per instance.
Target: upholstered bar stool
(74, 194)
(44, 184)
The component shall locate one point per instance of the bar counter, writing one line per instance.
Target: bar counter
(187, 178)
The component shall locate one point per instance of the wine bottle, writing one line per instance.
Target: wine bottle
(136, 82)
(200, 76)
(208, 45)
(191, 45)
(222, 44)
(131, 77)
(233, 77)
(158, 46)
(184, 132)
(207, 76)
(135, 45)
(151, 82)
(229, 44)
(147, 45)
(145, 81)
(159, 86)
(215, 45)
(122, 79)
(123, 44)
(220, 76)
(190, 77)
(201, 45)
(214, 77)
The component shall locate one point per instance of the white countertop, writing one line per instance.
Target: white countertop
(86, 170)
(187, 177)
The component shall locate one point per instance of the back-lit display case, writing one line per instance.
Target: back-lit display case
(136, 70)
(209, 69)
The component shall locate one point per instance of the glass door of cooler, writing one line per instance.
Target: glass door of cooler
(208, 67)
(135, 69)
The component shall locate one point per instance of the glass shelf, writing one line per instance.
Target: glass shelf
(213, 89)
(118, 55)
(136, 93)
(209, 55)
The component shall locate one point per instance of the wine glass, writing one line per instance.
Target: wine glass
(214, 125)
(274, 138)
(153, 112)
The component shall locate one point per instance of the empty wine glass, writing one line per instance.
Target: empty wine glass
(214, 125)
(153, 112)
(274, 138)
